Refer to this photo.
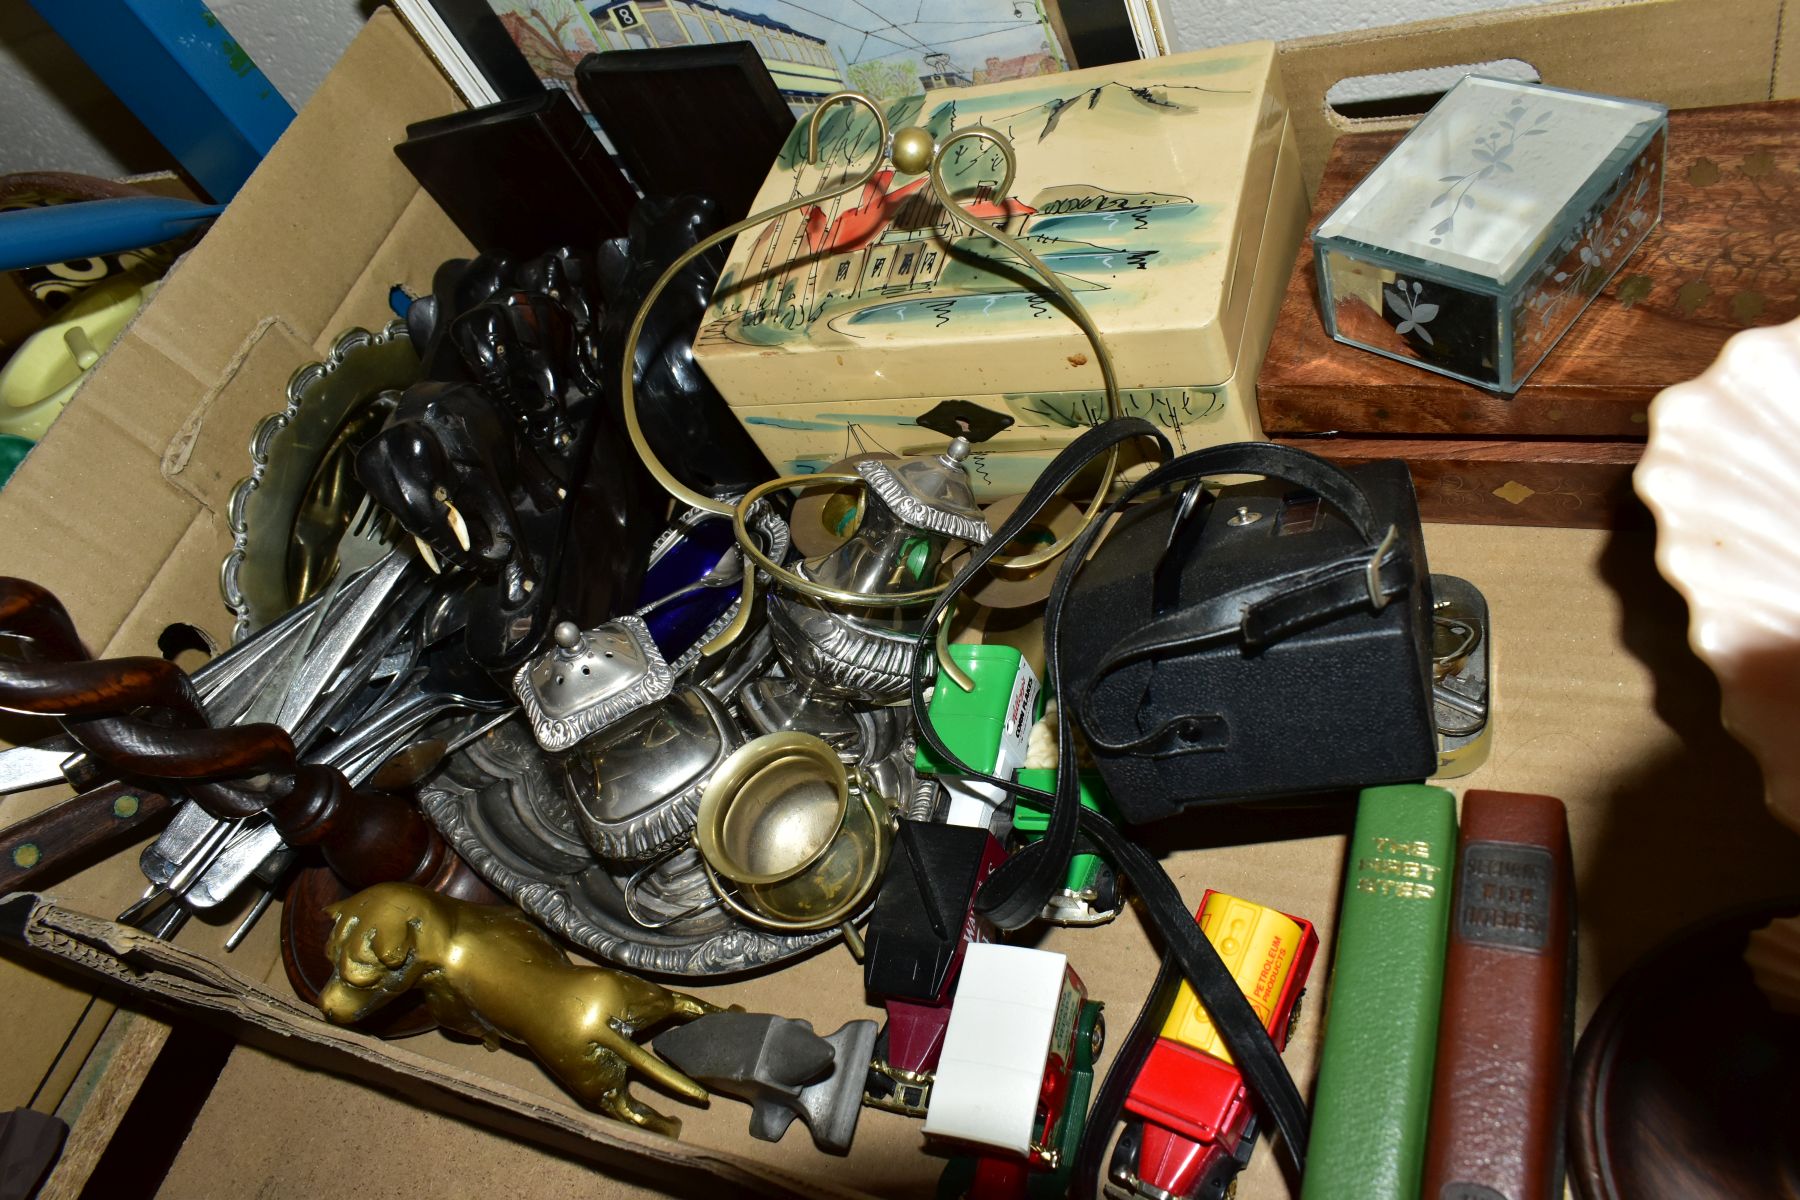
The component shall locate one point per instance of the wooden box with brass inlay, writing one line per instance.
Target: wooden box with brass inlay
(1560, 451)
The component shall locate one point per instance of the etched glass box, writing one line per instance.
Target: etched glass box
(1473, 246)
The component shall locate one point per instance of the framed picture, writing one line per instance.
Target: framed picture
(1099, 32)
(816, 47)
(813, 48)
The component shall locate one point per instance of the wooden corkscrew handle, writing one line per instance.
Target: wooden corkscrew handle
(99, 704)
(143, 721)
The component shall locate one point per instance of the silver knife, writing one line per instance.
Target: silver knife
(26, 767)
(251, 666)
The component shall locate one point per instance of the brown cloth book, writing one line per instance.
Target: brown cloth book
(1502, 1070)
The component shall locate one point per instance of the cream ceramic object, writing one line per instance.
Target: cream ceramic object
(1722, 474)
(48, 366)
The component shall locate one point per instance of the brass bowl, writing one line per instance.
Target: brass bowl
(792, 838)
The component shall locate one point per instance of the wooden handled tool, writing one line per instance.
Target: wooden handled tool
(140, 718)
(93, 824)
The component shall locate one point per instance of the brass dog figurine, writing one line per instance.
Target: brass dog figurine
(488, 972)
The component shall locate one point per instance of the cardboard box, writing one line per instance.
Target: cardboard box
(120, 511)
(1159, 192)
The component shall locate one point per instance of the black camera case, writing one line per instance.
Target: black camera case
(1255, 643)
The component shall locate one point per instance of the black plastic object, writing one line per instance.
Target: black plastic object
(922, 910)
(454, 443)
(448, 446)
(29, 1144)
(611, 522)
(520, 176)
(687, 422)
(1253, 659)
(965, 419)
(535, 458)
(458, 285)
(520, 348)
(781, 1067)
(705, 119)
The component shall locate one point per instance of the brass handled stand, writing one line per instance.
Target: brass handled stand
(912, 152)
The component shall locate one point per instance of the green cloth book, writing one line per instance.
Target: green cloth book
(1374, 1092)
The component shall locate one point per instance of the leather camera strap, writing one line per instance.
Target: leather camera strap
(1018, 890)
(1129, 1057)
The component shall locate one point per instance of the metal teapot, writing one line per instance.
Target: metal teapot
(913, 511)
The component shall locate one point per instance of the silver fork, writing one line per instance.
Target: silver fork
(190, 851)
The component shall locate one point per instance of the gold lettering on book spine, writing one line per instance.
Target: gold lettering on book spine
(1394, 870)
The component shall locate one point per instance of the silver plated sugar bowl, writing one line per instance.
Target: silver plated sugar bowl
(914, 509)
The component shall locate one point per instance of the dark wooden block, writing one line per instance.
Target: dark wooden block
(521, 176)
(1504, 481)
(701, 119)
(1725, 257)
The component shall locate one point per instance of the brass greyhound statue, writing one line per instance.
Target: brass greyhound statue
(488, 972)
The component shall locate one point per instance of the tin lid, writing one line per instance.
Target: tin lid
(1140, 183)
(931, 493)
(1484, 181)
(589, 679)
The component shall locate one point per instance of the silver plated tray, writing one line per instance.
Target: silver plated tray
(501, 804)
(289, 514)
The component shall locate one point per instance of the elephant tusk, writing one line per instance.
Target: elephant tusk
(426, 554)
(458, 526)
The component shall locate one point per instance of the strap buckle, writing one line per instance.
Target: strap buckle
(1373, 576)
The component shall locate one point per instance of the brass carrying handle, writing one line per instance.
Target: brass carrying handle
(628, 391)
(1074, 310)
(916, 153)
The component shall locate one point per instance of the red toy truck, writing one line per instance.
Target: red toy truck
(1189, 1124)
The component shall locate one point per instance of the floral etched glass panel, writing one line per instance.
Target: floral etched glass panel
(1586, 256)
(1486, 172)
(1413, 318)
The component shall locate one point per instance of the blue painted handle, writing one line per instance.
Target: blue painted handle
(31, 237)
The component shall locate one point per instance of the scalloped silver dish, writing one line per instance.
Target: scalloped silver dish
(501, 806)
(1721, 473)
(281, 551)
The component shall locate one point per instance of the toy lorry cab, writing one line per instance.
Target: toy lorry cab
(923, 921)
(1015, 1074)
(987, 728)
(1189, 1124)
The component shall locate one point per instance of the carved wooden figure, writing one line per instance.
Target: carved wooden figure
(488, 972)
